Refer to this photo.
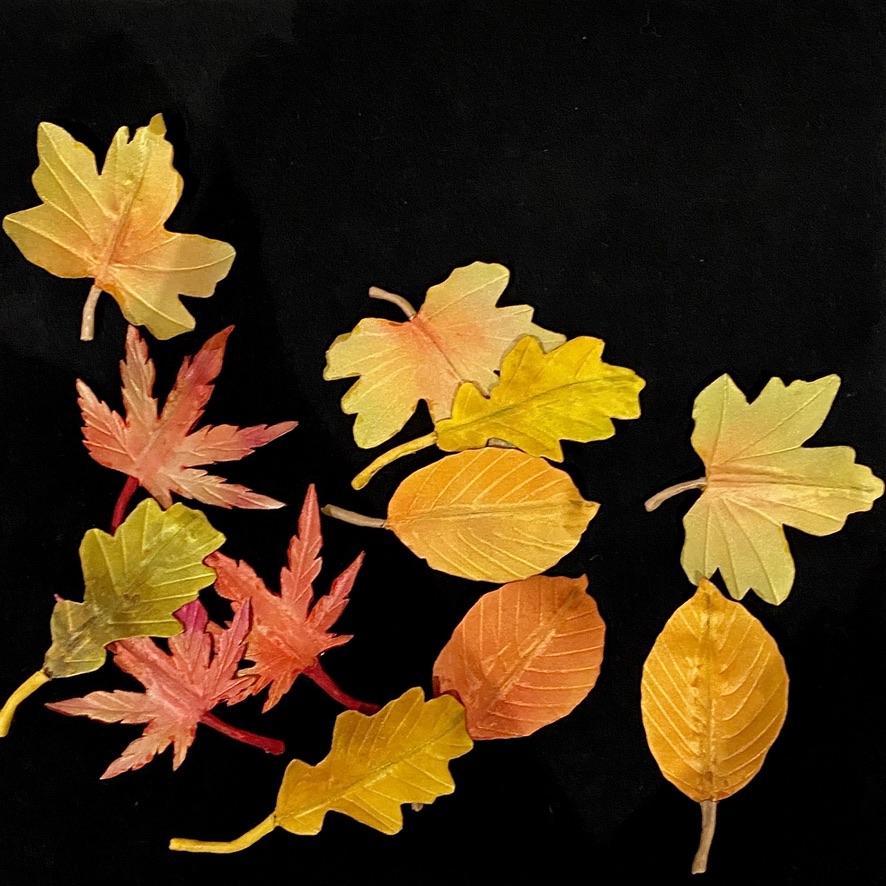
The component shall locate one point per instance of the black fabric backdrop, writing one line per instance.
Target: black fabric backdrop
(700, 184)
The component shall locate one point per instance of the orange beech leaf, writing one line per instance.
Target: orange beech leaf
(458, 335)
(182, 687)
(160, 452)
(288, 633)
(524, 656)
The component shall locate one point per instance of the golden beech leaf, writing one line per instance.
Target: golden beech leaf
(524, 656)
(458, 335)
(486, 514)
(714, 697)
(759, 478)
(109, 226)
(376, 763)
(134, 581)
(540, 399)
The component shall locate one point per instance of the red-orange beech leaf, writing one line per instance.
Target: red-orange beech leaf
(524, 656)
(290, 630)
(161, 451)
(181, 688)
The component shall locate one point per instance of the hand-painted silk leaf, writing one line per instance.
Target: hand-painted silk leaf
(181, 688)
(714, 697)
(110, 226)
(376, 764)
(162, 451)
(524, 656)
(458, 335)
(760, 478)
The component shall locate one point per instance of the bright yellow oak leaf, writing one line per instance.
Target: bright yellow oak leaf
(109, 226)
(714, 696)
(134, 581)
(376, 763)
(486, 514)
(458, 335)
(540, 399)
(759, 478)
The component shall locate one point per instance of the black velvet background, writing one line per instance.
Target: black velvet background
(700, 184)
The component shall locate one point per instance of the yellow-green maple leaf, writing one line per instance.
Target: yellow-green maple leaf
(760, 478)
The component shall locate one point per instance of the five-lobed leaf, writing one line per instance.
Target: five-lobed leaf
(290, 630)
(109, 226)
(489, 514)
(458, 335)
(162, 451)
(760, 478)
(181, 687)
(542, 398)
(135, 580)
(524, 656)
(376, 764)
(714, 697)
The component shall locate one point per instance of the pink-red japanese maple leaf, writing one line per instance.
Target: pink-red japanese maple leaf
(181, 688)
(162, 451)
(289, 633)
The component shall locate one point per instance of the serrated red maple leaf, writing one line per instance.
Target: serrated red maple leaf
(288, 633)
(161, 452)
(181, 688)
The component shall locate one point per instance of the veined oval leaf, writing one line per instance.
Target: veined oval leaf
(489, 514)
(543, 398)
(714, 697)
(376, 763)
(524, 656)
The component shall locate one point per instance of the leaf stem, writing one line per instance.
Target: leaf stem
(29, 687)
(391, 456)
(708, 823)
(316, 673)
(398, 300)
(268, 745)
(87, 323)
(665, 494)
(244, 842)
(353, 518)
(123, 500)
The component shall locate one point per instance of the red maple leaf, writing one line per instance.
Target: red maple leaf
(288, 633)
(160, 452)
(182, 687)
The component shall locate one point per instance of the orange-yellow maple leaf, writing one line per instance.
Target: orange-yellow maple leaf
(458, 335)
(288, 633)
(181, 689)
(110, 226)
(161, 451)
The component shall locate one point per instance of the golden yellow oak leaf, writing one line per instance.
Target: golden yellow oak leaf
(540, 399)
(714, 696)
(134, 581)
(376, 763)
(759, 478)
(486, 514)
(458, 335)
(110, 226)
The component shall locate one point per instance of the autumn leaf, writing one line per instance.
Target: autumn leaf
(487, 514)
(458, 335)
(524, 656)
(760, 478)
(135, 580)
(541, 399)
(290, 630)
(376, 763)
(714, 697)
(109, 226)
(161, 451)
(182, 687)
